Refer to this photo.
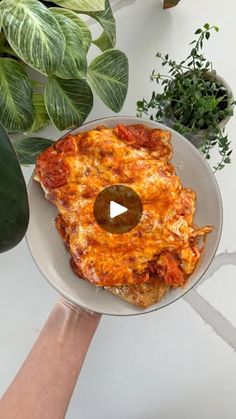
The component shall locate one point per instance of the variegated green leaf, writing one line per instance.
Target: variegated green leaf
(34, 34)
(68, 102)
(82, 5)
(86, 35)
(106, 19)
(41, 117)
(74, 64)
(103, 42)
(108, 75)
(28, 149)
(17, 111)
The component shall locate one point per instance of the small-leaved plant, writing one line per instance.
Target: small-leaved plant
(193, 100)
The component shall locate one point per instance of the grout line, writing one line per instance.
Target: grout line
(213, 318)
(208, 313)
(220, 260)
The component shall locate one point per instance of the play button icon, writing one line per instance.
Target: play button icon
(118, 209)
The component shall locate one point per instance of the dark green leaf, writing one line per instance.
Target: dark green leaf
(28, 149)
(14, 209)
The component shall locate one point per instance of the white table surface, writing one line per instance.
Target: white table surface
(179, 362)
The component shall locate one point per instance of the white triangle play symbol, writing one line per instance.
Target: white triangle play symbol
(116, 209)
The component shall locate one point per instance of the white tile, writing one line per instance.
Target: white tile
(165, 365)
(25, 302)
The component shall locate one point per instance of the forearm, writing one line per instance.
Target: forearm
(44, 385)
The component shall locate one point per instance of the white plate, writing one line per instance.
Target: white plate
(52, 258)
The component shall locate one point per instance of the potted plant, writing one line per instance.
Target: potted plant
(195, 101)
(170, 3)
(52, 39)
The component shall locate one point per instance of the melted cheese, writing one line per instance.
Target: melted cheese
(77, 168)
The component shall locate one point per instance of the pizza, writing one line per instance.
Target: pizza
(163, 250)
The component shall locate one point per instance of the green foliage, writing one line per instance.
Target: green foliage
(85, 36)
(41, 118)
(55, 42)
(193, 98)
(74, 63)
(17, 110)
(28, 149)
(39, 42)
(108, 76)
(106, 19)
(82, 5)
(14, 209)
(74, 99)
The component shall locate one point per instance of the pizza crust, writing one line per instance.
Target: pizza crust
(143, 295)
